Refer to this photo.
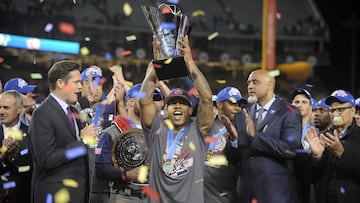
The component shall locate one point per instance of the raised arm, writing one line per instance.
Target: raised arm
(147, 106)
(204, 116)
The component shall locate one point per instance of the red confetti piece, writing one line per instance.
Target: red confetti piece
(1, 59)
(126, 53)
(192, 91)
(166, 11)
(209, 139)
(290, 108)
(67, 28)
(157, 66)
(151, 193)
(254, 200)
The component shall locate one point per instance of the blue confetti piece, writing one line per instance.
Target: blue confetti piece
(75, 152)
(49, 198)
(309, 85)
(168, 26)
(300, 151)
(342, 190)
(173, 1)
(291, 138)
(24, 151)
(139, 94)
(9, 185)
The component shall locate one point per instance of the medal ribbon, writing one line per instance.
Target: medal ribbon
(220, 133)
(171, 145)
(133, 125)
(305, 129)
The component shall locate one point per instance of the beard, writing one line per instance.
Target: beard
(252, 99)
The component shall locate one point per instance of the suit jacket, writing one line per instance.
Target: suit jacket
(266, 170)
(338, 179)
(21, 192)
(52, 135)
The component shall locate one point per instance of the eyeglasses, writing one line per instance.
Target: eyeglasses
(340, 110)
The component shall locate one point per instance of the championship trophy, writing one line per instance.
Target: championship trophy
(168, 25)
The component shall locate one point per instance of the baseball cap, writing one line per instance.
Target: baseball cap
(302, 91)
(97, 75)
(357, 103)
(231, 94)
(313, 103)
(178, 93)
(157, 95)
(340, 96)
(133, 92)
(19, 85)
(321, 103)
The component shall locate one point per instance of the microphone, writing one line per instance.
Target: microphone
(86, 109)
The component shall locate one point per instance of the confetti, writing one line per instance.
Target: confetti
(254, 200)
(168, 26)
(209, 139)
(213, 36)
(98, 151)
(192, 146)
(129, 83)
(218, 160)
(342, 190)
(291, 138)
(151, 193)
(221, 81)
(75, 152)
(131, 38)
(291, 153)
(274, 73)
(169, 124)
(62, 196)
(49, 198)
(233, 100)
(23, 169)
(200, 180)
(16, 134)
(168, 61)
(3, 149)
(126, 53)
(198, 13)
(143, 172)
(9, 185)
(127, 9)
(89, 140)
(165, 10)
(70, 183)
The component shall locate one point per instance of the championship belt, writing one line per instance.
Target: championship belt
(129, 149)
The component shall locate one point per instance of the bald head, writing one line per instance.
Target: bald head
(261, 86)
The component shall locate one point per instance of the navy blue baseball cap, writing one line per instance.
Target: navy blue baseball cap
(340, 96)
(231, 94)
(302, 91)
(321, 103)
(178, 93)
(19, 85)
(157, 95)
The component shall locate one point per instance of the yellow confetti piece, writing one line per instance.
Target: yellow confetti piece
(169, 124)
(204, 128)
(23, 169)
(290, 152)
(131, 38)
(70, 183)
(274, 73)
(213, 36)
(143, 172)
(233, 100)
(84, 117)
(218, 160)
(4, 178)
(89, 140)
(192, 146)
(221, 81)
(198, 13)
(127, 9)
(16, 134)
(223, 194)
(62, 196)
(129, 83)
(3, 149)
(168, 61)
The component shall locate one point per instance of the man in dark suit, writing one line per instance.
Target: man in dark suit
(267, 152)
(60, 156)
(16, 162)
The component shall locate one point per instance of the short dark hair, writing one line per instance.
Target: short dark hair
(61, 70)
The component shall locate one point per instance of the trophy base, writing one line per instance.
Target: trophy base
(170, 68)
